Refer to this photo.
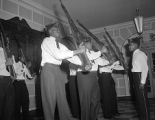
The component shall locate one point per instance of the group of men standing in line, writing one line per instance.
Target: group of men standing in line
(93, 86)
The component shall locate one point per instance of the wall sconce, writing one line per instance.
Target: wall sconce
(138, 20)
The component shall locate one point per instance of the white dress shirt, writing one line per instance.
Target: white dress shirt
(139, 64)
(54, 55)
(106, 67)
(3, 70)
(93, 56)
(21, 71)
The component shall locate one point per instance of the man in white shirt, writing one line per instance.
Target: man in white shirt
(88, 86)
(21, 91)
(6, 88)
(53, 79)
(107, 87)
(139, 73)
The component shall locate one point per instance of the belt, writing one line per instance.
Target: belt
(1, 77)
(105, 72)
(51, 64)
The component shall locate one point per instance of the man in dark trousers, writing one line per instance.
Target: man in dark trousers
(73, 91)
(139, 74)
(6, 88)
(88, 86)
(53, 79)
(107, 88)
(21, 90)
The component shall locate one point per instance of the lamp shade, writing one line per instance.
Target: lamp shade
(139, 24)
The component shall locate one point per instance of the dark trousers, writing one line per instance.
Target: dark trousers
(6, 98)
(89, 95)
(108, 95)
(74, 96)
(141, 97)
(53, 92)
(21, 100)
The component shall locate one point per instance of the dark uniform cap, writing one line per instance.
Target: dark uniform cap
(135, 40)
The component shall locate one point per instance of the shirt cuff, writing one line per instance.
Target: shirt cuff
(71, 54)
(142, 82)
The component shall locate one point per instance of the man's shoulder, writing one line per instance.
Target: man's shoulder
(1, 48)
(141, 53)
(48, 39)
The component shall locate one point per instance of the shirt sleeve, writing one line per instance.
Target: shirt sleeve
(18, 68)
(27, 72)
(93, 55)
(75, 60)
(101, 61)
(2, 59)
(144, 68)
(49, 45)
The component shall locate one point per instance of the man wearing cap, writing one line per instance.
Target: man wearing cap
(139, 74)
(53, 79)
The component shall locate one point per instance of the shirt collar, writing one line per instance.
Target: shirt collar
(136, 51)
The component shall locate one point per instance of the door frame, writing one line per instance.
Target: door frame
(152, 77)
(149, 48)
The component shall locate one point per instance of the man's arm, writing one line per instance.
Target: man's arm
(64, 53)
(75, 60)
(94, 55)
(144, 68)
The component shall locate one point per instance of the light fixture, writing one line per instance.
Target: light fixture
(138, 20)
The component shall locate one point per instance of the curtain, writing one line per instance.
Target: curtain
(21, 36)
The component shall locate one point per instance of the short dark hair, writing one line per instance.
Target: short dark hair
(48, 27)
(135, 40)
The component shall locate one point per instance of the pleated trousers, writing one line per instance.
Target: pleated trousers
(53, 92)
(89, 95)
(108, 95)
(141, 97)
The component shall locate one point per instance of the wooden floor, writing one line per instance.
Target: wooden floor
(126, 109)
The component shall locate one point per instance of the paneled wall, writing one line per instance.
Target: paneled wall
(35, 14)
(120, 33)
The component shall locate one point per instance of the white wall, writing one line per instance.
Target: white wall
(35, 14)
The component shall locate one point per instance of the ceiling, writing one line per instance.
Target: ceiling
(99, 13)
